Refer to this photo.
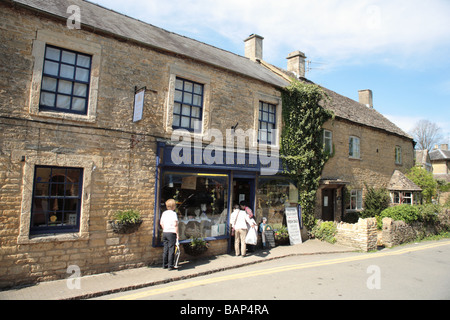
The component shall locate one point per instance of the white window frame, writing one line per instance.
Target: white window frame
(356, 194)
(328, 141)
(354, 149)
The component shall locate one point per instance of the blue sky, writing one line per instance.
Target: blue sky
(400, 49)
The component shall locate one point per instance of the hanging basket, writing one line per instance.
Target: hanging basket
(125, 227)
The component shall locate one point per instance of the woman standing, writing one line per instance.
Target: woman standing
(169, 224)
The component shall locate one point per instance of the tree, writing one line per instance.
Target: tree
(426, 134)
(424, 180)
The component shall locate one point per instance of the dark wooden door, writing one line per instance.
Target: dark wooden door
(328, 204)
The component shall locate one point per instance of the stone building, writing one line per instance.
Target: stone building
(91, 108)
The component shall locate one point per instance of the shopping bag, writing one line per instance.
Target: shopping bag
(251, 237)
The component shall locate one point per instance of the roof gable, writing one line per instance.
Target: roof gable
(399, 182)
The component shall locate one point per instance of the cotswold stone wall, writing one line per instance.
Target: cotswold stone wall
(398, 232)
(361, 235)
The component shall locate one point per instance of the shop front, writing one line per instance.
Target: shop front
(205, 194)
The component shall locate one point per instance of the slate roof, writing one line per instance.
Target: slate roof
(348, 109)
(117, 24)
(112, 22)
(439, 154)
(399, 182)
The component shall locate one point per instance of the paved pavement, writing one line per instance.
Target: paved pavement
(107, 283)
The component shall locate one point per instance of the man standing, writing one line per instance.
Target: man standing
(239, 220)
(169, 224)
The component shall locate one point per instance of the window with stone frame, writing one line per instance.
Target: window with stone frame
(188, 105)
(56, 201)
(354, 148)
(65, 81)
(356, 200)
(267, 122)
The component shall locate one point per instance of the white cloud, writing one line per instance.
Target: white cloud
(331, 30)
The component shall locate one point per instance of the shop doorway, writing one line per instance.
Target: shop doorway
(244, 190)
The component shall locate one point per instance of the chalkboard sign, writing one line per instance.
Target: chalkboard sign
(270, 238)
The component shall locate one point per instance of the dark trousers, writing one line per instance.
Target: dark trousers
(169, 240)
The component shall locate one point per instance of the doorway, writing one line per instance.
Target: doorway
(244, 190)
(328, 196)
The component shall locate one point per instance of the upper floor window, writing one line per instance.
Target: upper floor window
(188, 105)
(65, 81)
(398, 155)
(328, 141)
(267, 122)
(353, 148)
(56, 202)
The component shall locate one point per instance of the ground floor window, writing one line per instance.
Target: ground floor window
(356, 200)
(405, 197)
(56, 200)
(202, 203)
(274, 194)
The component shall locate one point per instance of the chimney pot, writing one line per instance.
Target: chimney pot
(296, 63)
(254, 47)
(366, 97)
(444, 147)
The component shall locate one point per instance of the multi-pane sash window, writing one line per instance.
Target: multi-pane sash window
(56, 200)
(356, 201)
(328, 141)
(267, 122)
(188, 105)
(353, 148)
(65, 81)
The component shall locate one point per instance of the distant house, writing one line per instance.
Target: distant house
(422, 159)
(440, 161)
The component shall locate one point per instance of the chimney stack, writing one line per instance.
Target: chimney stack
(296, 63)
(366, 97)
(444, 147)
(254, 47)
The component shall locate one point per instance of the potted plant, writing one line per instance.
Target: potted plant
(281, 236)
(126, 222)
(196, 246)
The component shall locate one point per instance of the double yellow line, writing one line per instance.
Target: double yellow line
(191, 284)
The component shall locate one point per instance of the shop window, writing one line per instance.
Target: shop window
(56, 200)
(356, 200)
(65, 81)
(201, 203)
(274, 194)
(188, 105)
